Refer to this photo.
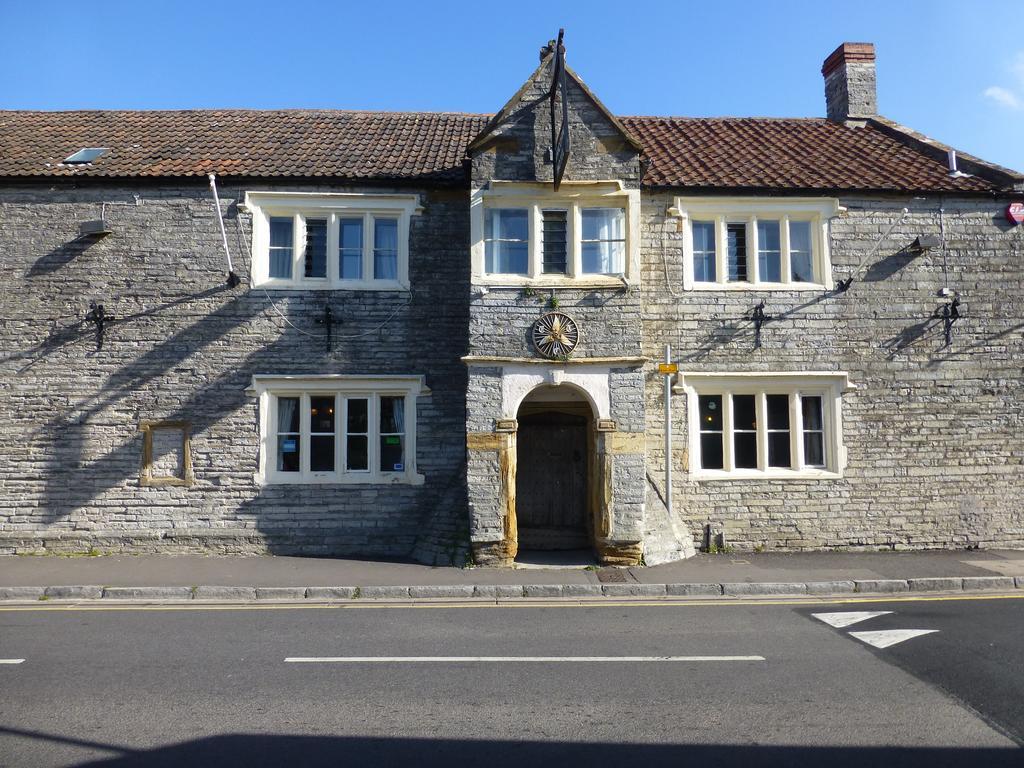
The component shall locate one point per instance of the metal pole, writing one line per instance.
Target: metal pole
(668, 432)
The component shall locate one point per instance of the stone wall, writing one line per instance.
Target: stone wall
(935, 435)
(184, 347)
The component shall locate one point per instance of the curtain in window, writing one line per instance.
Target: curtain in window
(603, 240)
(506, 233)
(385, 249)
(350, 249)
(281, 246)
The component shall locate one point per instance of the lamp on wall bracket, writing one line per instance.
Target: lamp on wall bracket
(760, 318)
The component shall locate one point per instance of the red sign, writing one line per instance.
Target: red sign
(1015, 213)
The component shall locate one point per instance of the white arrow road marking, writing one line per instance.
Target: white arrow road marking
(494, 659)
(887, 637)
(11, 661)
(846, 618)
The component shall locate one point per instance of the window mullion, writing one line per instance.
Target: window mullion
(333, 256)
(575, 266)
(339, 460)
(761, 405)
(373, 434)
(298, 248)
(753, 247)
(728, 460)
(367, 246)
(304, 441)
(534, 236)
(796, 437)
(785, 272)
(721, 248)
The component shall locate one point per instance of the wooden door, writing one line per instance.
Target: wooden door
(551, 481)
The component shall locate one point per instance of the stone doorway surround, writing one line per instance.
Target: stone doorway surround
(617, 477)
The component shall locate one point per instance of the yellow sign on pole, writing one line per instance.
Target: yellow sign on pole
(668, 368)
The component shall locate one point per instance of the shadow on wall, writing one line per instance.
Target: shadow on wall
(73, 478)
(314, 751)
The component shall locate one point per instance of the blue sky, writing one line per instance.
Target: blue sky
(954, 71)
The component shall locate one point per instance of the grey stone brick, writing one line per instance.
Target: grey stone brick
(988, 582)
(80, 592)
(147, 593)
(331, 593)
(881, 585)
(693, 589)
(280, 593)
(936, 584)
(224, 593)
(383, 592)
(764, 588)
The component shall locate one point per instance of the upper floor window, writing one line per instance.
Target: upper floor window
(525, 233)
(335, 240)
(338, 429)
(748, 243)
(753, 426)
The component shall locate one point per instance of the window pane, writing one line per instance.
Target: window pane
(711, 451)
(736, 251)
(316, 247)
(392, 414)
(710, 407)
(288, 453)
(778, 411)
(704, 267)
(778, 449)
(744, 415)
(603, 241)
(811, 406)
(287, 414)
(392, 453)
(555, 232)
(814, 449)
(801, 263)
(358, 418)
(358, 455)
(321, 414)
(321, 453)
(769, 255)
(506, 234)
(745, 450)
(281, 246)
(385, 249)
(350, 249)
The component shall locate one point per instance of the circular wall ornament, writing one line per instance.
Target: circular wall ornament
(555, 335)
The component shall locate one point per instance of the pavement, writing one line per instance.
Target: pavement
(746, 683)
(541, 575)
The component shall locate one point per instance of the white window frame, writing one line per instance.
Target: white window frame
(332, 206)
(830, 386)
(727, 210)
(267, 388)
(571, 197)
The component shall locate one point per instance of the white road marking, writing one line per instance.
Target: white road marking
(887, 637)
(846, 618)
(11, 661)
(502, 659)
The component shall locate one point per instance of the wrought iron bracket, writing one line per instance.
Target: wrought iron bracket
(950, 314)
(98, 316)
(759, 318)
(328, 321)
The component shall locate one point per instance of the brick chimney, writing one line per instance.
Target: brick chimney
(850, 82)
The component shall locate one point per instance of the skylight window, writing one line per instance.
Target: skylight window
(86, 155)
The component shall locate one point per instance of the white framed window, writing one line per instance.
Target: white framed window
(330, 240)
(765, 426)
(756, 244)
(586, 234)
(337, 429)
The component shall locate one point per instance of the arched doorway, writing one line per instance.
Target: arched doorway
(554, 450)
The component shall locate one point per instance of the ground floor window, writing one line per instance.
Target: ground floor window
(346, 429)
(781, 425)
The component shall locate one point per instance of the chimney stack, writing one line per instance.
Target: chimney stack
(850, 82)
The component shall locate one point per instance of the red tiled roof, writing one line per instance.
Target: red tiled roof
(783, 153)
(420, 146)
(699, 153)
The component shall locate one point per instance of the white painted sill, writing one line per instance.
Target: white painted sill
(365, 479)
(325, 285)
(578, 283)
(738, 286)
(703, 475)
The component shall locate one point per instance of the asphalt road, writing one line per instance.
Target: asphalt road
(100, 686)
